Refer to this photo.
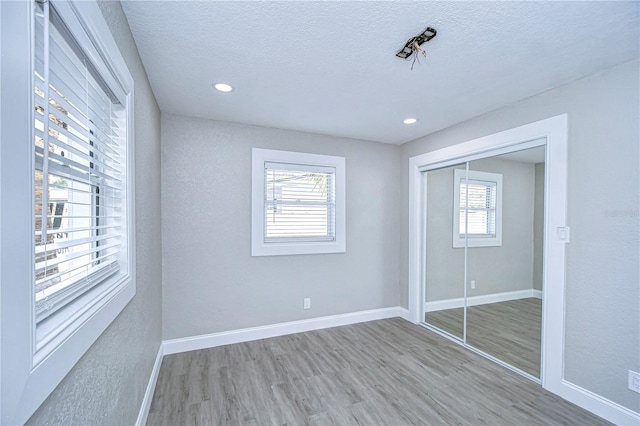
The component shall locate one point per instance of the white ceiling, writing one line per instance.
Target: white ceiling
(329, 67)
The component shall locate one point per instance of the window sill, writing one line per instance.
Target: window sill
(477, 242)
(284, 249)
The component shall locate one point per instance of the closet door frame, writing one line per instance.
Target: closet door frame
(552, 133)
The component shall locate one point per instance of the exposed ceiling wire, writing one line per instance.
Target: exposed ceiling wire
(413, 46)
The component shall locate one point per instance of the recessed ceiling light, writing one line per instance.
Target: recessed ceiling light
(410, 120)
(223, 87)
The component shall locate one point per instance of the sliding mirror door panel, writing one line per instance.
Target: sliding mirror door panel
(444, 264)
(502, 208)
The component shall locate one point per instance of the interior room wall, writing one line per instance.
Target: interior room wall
(602, 320)
(505, 268)
(108, 383)
(444, 265)
(210, 281)
(508, 267)
(538, 227)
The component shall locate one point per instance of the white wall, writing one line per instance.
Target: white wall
(108, 383)
(602, 334)
(210, 281)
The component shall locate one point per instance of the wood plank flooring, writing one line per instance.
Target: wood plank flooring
(387, 372)
(509, 331)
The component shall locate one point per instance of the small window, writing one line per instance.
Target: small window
(298, 203)
(477, 209)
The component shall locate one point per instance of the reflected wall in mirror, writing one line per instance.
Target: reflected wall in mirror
(504, 282)
(444, 267)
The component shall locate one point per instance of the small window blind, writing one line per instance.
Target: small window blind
(299, 203)
(80, 166)
(478, 205)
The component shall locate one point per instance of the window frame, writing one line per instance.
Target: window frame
(460, 178)
(260, 247)
(28, 376)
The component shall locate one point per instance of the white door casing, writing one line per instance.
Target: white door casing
(551, 132)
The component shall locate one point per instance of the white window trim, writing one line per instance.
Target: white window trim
(261, 248)
(460, 176)
(25, 380)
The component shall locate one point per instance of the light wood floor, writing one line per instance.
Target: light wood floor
(509, 331)
(387, 372)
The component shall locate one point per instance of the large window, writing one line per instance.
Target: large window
(67, 193)
(80, 176)
(477, 209)
(298, 203)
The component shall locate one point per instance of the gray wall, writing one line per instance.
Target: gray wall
(444, 265)
(538, 227)
(602, 334)
(108, 383)
(508, 267)
(210, 281)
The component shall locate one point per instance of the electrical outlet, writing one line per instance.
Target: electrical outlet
(306, 303)
(473, 284)
(634, 381)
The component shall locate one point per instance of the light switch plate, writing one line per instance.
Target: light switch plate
(634, 381)
(564, 234)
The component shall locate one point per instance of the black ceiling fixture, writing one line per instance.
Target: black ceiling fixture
(413, 45)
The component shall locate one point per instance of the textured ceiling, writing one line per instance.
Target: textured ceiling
(330, 67)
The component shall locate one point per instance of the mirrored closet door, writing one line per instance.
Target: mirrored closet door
(483, 263)
(444, 266)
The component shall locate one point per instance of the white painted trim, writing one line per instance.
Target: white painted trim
(204, 341)
(151, 386)
(402, 313)
(598, 405)
(417, 225)
(1, 79)
(484, 299)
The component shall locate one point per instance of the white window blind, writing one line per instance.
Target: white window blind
(300, 203)
(477, 209)
(478, 205)
(80, 170)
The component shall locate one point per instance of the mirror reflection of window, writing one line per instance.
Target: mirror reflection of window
(477, 209)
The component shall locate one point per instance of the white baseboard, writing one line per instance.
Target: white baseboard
(151, 386)
(440, 305)
(255, 333)
(598, 405)
(403, 313)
